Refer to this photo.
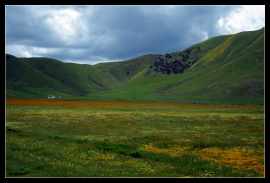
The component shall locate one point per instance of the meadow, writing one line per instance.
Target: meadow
(60, 138)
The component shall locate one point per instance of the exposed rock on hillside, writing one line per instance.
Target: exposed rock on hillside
(175, 64)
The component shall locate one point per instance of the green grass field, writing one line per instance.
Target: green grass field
(54, 138)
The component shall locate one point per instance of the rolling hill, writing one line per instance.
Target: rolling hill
(226, 69)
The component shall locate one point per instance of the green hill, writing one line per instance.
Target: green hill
(226, 69)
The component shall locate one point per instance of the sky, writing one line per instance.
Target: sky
(98, 33)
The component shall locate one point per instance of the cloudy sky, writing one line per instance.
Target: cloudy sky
(93, 34)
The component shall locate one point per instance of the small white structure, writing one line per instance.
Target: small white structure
(51, 96)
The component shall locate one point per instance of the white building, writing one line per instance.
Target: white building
(51, 96)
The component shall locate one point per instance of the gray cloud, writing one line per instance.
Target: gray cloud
(91, 34)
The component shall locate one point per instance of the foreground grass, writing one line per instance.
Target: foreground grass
(53, 138)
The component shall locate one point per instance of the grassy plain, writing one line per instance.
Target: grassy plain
(57, 138)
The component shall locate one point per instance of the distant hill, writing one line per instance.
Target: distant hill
(225, 69)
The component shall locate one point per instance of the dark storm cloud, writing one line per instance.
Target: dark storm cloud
(24, 27)
(93, 34)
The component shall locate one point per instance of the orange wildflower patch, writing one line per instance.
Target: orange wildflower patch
(50, 102)
(57, 102)
(240, 159)
(174, 151)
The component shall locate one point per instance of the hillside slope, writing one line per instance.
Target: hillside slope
(39, 77)
(226, 69)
